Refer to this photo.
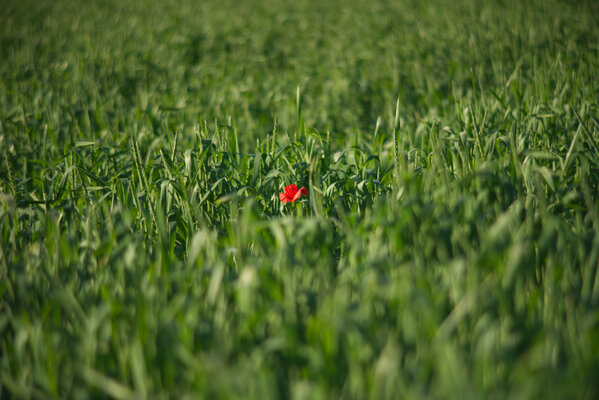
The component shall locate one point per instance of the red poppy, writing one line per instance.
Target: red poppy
(291, 193)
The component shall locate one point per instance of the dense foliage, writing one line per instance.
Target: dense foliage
(449, 245)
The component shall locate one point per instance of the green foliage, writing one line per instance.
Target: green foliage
(449, 246)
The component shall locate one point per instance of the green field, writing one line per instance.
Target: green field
(448, 248)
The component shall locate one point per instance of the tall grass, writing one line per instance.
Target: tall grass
(448, 246)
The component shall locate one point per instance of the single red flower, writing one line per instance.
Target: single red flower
(291, 193)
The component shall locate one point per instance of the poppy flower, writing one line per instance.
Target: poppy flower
(291, 193)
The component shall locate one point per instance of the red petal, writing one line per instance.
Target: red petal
(284, 198)
(297, 196)
(290, 190)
